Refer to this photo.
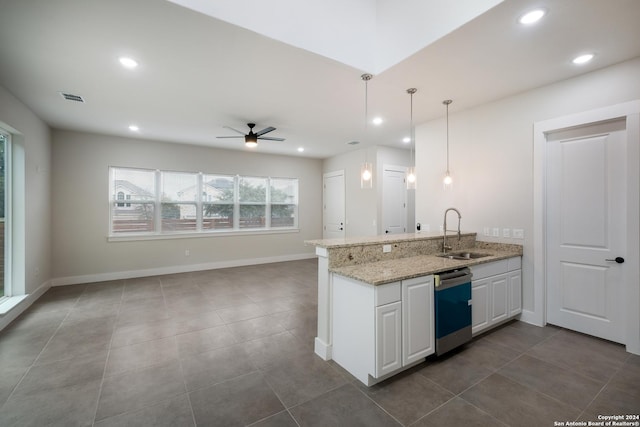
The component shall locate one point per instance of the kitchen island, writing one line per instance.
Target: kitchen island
(381, 260)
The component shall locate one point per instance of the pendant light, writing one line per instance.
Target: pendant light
(411, 170)
(447, 181)
(366, 170)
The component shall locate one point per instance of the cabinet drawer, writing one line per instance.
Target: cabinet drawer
(388, 293)
(489, 269)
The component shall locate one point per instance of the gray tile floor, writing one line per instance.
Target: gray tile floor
(235, 347)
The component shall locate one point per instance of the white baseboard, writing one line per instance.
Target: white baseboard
(24, 302)
(531, 317)
(118, 275)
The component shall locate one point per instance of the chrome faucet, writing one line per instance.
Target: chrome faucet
(445, 248)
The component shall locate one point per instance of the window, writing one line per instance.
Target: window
(138, 214)
(252, 198)
(171, 202)
(4, 243)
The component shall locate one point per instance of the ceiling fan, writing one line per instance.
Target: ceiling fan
(251, 138)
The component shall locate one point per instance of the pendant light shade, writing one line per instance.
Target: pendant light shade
(447, 182)
(411, 178)
(366, 170)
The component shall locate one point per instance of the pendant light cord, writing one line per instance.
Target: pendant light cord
(447, 102)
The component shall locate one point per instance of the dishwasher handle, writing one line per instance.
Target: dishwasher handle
(454, 281)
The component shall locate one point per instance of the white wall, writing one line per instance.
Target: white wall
(81, 208)
(33, 135)
(364, 207)
(491, 155)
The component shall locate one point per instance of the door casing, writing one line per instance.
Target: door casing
(631, 112)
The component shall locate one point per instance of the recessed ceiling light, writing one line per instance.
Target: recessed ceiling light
(532, 16)
(300, 149)
(406, 140)
(377, 121)
(134, 128)
(128, 62)
(583, 59)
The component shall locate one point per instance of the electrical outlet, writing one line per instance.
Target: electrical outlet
(386, 249)
(487, 231)
(518, 233)
(496, 232)
(506, 232)
(187, 252)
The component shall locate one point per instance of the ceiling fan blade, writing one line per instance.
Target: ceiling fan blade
(235, 130)
(268, 138)
(266, 130)
(229, 136)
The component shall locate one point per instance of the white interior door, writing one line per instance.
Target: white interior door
(586, 227)
(394, 200)
(333, 217)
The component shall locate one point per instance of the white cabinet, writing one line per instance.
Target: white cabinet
(418, 339)
(381, 330)
(388, 338)
(496, 292)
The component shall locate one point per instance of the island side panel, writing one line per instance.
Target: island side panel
(323, 341)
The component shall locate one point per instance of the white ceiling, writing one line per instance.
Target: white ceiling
(198, 73)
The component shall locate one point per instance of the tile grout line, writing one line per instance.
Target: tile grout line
(41, 351)
(106, 362)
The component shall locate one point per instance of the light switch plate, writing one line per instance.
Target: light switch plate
(496, 232)
(487, 231)
(518, 233)
(506, 232)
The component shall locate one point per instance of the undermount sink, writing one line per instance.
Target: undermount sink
(463, 255)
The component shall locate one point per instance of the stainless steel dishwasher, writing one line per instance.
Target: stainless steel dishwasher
(452, 309)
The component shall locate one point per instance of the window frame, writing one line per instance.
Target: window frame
(200, 203)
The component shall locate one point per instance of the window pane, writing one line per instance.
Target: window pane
(284, 190)
(253, 190)
(217, 216)
(138, 184)
(283, 215)
(252, 216)
(178, 217)
(133, 218)
(217, 188)
(179, 187)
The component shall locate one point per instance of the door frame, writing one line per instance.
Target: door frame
(326, 175)
(394, 168)
(631, 112)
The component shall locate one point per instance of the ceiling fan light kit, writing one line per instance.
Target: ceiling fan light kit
(251, 138)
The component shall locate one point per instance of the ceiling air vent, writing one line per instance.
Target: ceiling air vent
(72, 97)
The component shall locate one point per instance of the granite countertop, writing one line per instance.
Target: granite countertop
(387, 271)
(373, 240)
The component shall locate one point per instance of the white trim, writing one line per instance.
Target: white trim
(17, 305)
(119, 275)
(630, 111)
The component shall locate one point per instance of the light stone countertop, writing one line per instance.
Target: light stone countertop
(387, 271)
(378, 239)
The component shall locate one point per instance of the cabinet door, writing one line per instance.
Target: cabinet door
(515, 288)
(388, 338)
(499, 298)
(417, 319)
(480, 305)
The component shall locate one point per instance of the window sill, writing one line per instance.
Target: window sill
(7, 304)
(197, 235)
